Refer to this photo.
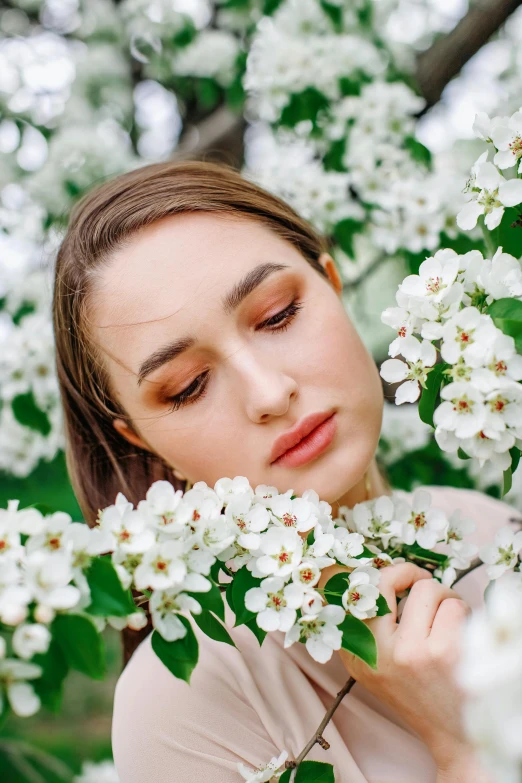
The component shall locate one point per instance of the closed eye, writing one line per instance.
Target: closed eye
(197, 388)
(282, 319)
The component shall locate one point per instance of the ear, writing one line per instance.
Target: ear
(128, 433)
(328, 264)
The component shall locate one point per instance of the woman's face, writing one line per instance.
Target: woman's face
(218, 338)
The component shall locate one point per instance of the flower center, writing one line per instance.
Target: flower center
(516, 146)
(276, 601)
(434, 285)
(418, 520)
(289, 520)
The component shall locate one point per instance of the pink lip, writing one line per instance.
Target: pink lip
(305, 441)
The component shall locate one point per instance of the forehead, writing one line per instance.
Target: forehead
(179, 261)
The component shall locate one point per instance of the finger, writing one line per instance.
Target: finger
(393, 580)
(420, 609)
(446, 628)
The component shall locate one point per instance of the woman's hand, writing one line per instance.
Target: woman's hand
(416, 657)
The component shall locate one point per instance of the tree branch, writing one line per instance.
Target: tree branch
(447, 56)
(318, 738)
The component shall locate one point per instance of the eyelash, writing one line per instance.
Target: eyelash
(277, 323)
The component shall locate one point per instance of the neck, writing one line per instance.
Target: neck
(372, 481)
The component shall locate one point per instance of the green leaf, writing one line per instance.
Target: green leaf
(108, 597)
(80, 643)
(382, 606)
(335, 588)
(508, 235)
(515, 458)
(55, 668)
(507, 315)
(180, 657)
(359, 640)
(256, 630)
(243, 581)
(507, 481)
(418, 151)
(212, 601)
(462, 454)
(311, 772)
(344, 232)
(27, 412)
(310, 538)
(335, 13)
(212, 627)
(424, 554)
(304, 105)
(430, 394)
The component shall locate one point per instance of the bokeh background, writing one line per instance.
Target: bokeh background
(358, 112)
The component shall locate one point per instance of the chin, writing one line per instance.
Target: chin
(333, 473)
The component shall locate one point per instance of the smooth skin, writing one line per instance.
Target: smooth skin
(263, 364)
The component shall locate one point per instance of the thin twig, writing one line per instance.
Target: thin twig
(318, 738)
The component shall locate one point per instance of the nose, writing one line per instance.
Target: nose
(267, 389)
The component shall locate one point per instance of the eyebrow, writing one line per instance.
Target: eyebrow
(230, 302)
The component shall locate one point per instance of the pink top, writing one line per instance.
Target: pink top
(249, 704)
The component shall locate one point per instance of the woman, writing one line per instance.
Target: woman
(200, 333)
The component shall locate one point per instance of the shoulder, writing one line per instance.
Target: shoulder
(202, 729)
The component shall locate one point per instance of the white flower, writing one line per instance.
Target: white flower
(458, 527)
(462, 411)
(425, 525)
(20, 694)
(347, 546)
(319, 632)
(503, 408)
(162, 566)
(419, 357)
(275, 603)
(282, 551)
(31, 638)
(491, 193)
(226, 488)
(377, 519)
(307, 573)
(298, 513)
(47, 577)
(51, 538)
(266, 773)
(250, 520)
(468, 334)
(504, 363)
(507, 138)
(435, 280)
(127, 526)
(84, 542)
(163, 507)
(502, 555)
(501, 277)
(404, 323)
(164, 606)
(360, 599)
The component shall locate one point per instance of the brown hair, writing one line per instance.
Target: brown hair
(100, 461)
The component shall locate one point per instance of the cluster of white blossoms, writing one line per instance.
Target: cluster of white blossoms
(490, 192)
(172, 548)
(481, 404)
(490, 672)
(448, 311)
(43, 560)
